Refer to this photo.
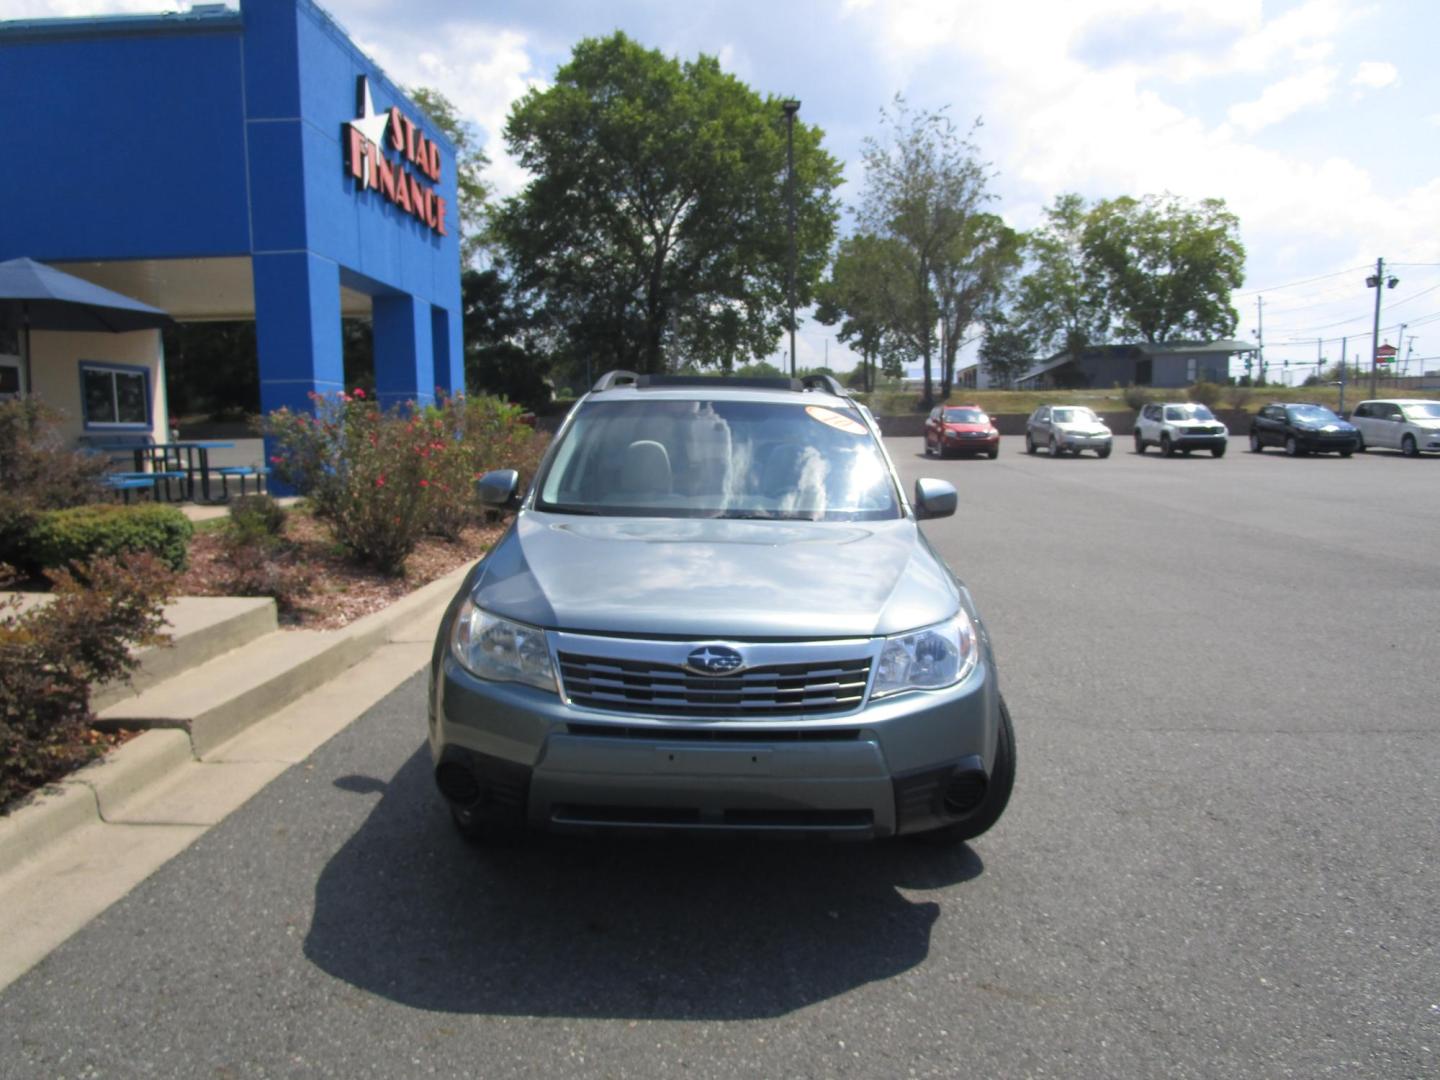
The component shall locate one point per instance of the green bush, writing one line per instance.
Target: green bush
(52, 654)
(255, 519)
(69, 538)
(1207, 393)
(1137, 397)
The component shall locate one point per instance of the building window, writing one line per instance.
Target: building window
(115, 396)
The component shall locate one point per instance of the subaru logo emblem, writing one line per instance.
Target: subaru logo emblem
(714, 660)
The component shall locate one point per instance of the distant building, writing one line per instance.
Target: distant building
(1141, 365)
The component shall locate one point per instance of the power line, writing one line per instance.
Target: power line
(1307, 281)
(1361, 318)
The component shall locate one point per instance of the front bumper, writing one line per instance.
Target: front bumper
(1187, 441)
(883, 769)
(1084, 442)
(970, 444)
(1323, 443)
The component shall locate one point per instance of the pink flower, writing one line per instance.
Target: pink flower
(359, 393)
(275, 460)
(380, 480)
(424, 483)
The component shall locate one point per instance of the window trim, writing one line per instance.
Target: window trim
(114, 369)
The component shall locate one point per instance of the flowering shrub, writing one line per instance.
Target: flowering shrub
(381, 479)
(52, 654)
(38, 471)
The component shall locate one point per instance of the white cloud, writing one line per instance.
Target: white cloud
(481, 70)
(1283, 99)
(1375, 74)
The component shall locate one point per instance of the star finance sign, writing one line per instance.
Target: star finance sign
(407, 179)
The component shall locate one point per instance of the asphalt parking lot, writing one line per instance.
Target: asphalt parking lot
(1220, 860)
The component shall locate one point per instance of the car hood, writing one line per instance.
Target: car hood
(985, 428)
(1083, 427)
(707, 578)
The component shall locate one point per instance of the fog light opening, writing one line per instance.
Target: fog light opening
(965, 791)
(458, 784)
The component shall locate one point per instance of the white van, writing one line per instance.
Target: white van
(1410, 425)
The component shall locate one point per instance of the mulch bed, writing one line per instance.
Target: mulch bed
(340, 591)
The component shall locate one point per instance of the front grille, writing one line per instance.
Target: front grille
(1201, 431)
(638, 686)
(674, 734)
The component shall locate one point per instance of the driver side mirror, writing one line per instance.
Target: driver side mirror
(934, 499)
(499, 488)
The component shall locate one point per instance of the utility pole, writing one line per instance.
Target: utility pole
(791, 107)
(1260, 336)
(1377, 282)
(1344, 362)
(1398, 369)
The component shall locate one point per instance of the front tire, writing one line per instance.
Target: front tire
(1360, 443)
(997, 796)
(475, 829)
(1408, 446)
(993, 454)
(1256, 446)
(1139, 444)
(1292, 448)
(1054, 448)
(1103, 452)
(1029, 443)
(1167, 448)
(1218, 451)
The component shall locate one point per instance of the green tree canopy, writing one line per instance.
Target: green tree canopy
(1166, 267)
(656, 223)
(1060, 304)
(470, 164)
(923, 183)
(971, 274)
(854, 297)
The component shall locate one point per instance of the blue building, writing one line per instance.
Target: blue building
(231, 164)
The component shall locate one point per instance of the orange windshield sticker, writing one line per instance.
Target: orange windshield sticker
(835, 420)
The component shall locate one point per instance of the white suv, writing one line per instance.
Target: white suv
(1179, 425)
(1405, 424)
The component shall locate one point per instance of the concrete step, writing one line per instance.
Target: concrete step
(220, 698)
(201, 628)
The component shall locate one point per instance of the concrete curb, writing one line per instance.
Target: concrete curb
(87, 796)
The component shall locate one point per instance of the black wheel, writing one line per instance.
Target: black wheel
(1408, 447)
(1103, 452)
(1360, 443)
(1029, 443)
(1346, 453)
(997, 795)
(1256, 446)
(1292, 448)
(1185, 450)
(1167, 448)
(993, 454)
(1139, 444)
(479, 830)
(1054, 447)
(1218, 451)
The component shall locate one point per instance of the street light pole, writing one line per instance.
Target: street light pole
(791, 107)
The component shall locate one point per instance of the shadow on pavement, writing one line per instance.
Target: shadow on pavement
(606, 927)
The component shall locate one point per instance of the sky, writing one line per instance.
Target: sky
(1317, 121)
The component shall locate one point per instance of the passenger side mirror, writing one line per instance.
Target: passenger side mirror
(499, 488)
(934, 499)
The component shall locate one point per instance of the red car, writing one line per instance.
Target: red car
(961, 429)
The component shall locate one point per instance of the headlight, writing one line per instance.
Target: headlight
(928, 659)
(501, 650)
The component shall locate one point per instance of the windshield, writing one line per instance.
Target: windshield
(1429, 410)
(727, 459)
(965, 416)
(1313, 414)
(1073, 415)
(1188, 412)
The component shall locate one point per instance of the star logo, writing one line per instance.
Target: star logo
(714, 660)
(371, 125)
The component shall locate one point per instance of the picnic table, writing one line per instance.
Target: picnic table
(187, 461)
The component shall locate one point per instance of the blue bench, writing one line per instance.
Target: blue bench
(122, 483)
(242, 473)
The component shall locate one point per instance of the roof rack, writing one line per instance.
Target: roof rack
(824, 383)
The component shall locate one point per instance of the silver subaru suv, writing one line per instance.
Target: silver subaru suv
(714, 610)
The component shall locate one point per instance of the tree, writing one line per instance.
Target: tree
(499, 354)
(922, 184)
(656, 222)
(970, 277)
(472, 192)
(1004, 351)
(1060, 302)
(1166, 267)
(853, 296)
